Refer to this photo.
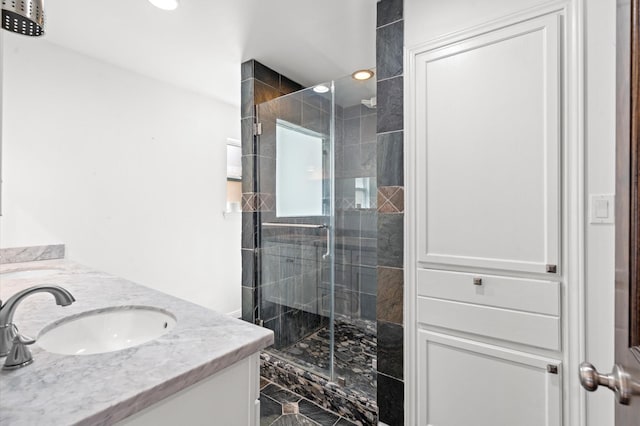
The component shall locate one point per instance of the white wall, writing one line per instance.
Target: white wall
(129, 172)
(600, 141)
(425, 20)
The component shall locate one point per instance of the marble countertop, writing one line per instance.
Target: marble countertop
(104, 388)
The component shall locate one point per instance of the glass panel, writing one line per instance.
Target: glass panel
(322, 309)
(295, 179)
(356, 233)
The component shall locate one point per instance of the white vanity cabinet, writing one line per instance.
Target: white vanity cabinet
(485, 123)
(229, 397)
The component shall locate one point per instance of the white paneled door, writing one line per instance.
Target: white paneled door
(487, 129)
(488, 132)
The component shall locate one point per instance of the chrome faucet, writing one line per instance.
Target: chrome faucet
(12, 344)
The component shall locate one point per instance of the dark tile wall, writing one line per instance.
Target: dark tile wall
(284, 291)
(356, 216)
(390, 206)
(259, 84)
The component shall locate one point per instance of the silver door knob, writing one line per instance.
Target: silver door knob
(618, 381)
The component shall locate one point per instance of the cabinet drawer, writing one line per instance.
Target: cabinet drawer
(511, 309)
(520, 294)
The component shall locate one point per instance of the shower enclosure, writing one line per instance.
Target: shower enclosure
(316, 236)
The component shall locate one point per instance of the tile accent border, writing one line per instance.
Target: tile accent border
(390, 199)
(31, 254)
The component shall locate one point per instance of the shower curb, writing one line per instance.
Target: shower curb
(348, 403)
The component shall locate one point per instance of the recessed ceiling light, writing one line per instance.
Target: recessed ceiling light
(321, 88)
(165, 4)
(362, 75)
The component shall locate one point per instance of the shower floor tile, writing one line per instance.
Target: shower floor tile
(355, 354)
(276, 412)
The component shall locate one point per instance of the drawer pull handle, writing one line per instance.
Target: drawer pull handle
(477, 281)
(552, 269)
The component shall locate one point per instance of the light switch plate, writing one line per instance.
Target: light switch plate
(601, 208)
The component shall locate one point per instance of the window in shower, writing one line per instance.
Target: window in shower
(299, 171)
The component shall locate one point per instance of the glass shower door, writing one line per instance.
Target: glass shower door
(295, 179)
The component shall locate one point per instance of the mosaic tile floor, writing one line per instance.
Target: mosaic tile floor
(355, 354)
(280, 407)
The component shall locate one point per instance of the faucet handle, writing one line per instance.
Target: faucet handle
(20, 355)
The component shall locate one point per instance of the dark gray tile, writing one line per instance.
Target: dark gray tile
(368, 159)
(369, 224)
(368, 254)
(267, 174)
(317, 413)
(351, 111)
(390, 400)
(248, 304)
(246, 98)
(389, 11)
(390, 340)
(275, 325)
(289, 86)
(390, 109)
(315, 119)
(367, 306)
(352, 131)
(248, 261)
(291, 110)
(389, 50)
(269, 310)
(246, 69)
(263, 92)
(294, 420)
(318, 100)
(270, 410)
(368, 278)
(352, 161)
(368, 126)
(350, 226)
(247, 139)
(390, 294)
(390, 161)
(249, 221)
(266, 75)
(280, 394)
(390, 240)
(248, 182)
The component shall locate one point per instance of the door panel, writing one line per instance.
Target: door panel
(464, 383)
(489, 133)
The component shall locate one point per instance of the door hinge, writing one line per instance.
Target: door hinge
(259, 322)
(257, 129)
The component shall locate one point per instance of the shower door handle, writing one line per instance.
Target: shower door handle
(328, 252)
(306, 226)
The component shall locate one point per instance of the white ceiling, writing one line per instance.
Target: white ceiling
(201, 45)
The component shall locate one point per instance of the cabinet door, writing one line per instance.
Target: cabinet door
(488, 133)
(462, 383)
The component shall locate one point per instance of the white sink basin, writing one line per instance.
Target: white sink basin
(32, 273)
(105, 330)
